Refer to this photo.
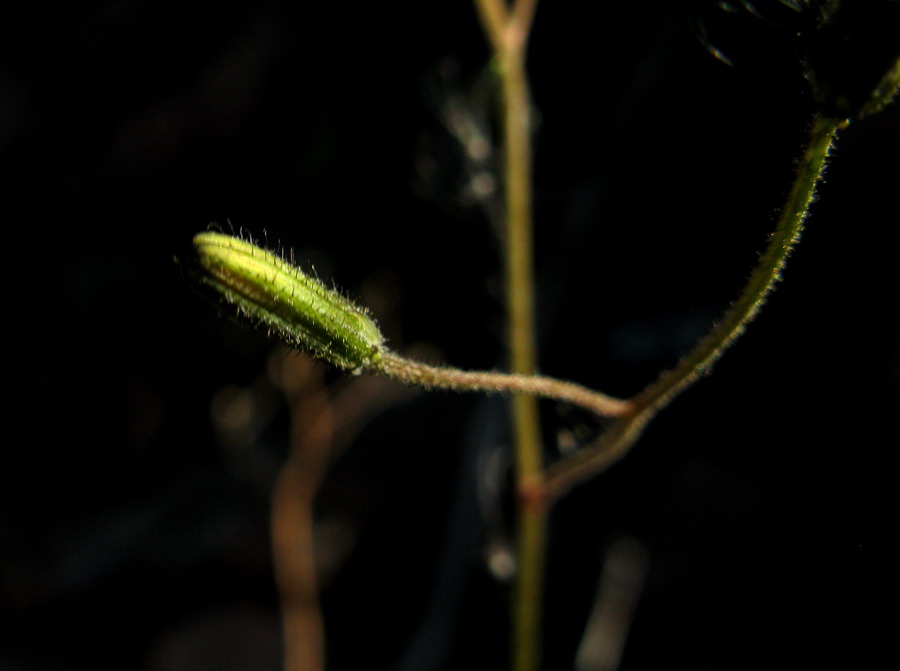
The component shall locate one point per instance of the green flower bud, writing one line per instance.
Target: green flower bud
(274, 295)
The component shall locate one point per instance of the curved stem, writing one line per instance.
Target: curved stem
(616, 442)
(423, 375)
(764, 277)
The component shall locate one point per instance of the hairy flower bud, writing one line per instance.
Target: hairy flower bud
(276, 296)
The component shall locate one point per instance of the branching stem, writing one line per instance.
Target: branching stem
(616, 442)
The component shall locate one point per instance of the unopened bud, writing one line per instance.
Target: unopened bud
(276, 296)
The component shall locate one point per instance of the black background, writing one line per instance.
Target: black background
(129, 538)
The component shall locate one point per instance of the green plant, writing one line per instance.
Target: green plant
(284, 301)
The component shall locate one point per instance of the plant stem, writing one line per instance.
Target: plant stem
(507, 31)
(519, 255)
(531, 548)
(394, 366)
(616, 442)
(292, 516)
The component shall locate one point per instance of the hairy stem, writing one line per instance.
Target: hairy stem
(621, 436)
(423, 375)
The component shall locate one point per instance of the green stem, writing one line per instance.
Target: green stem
(621, 436)
(507, 31)
(532, 522)
(519, 260)
(531, 545)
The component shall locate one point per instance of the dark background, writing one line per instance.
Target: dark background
(131, 536)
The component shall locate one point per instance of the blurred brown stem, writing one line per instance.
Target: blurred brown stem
(322, 421)
(292, 525)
